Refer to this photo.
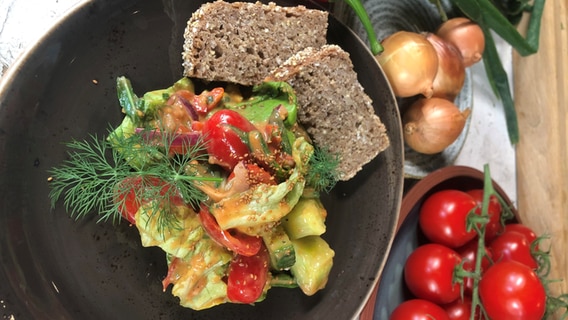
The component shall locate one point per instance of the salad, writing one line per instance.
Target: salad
(226, 182)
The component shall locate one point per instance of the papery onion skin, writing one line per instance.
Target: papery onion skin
(431, 125)
(410, 63)
(467, 36)
(450, 77)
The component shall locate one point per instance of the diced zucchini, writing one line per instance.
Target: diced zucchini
(314, 259)
(283, 280)
(280, 248)
(307, 218)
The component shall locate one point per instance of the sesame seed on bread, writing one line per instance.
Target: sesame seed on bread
(242, 42)
(333, 107)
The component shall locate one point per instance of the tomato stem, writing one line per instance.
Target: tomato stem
(479, 226)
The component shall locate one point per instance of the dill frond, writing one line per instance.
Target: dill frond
(97, 178)
(323, 174)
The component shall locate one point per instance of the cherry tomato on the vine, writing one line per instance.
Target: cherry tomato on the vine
(418, 309)
(429, 273)
(468, 253)
(461, 309)
(494, 226)
(512, 245)
(511, 290)
(443, 218)
(521, 228)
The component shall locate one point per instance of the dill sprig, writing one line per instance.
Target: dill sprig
(97, 178)
(323, 174)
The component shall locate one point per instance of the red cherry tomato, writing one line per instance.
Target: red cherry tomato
(429, 273)
(443, 218)
(418, 309)
(494, 226)
(247, 277)
(223, 138)
(461, 310)
(521, 228)
(512, 245)
(511, 290)
(239, 243)
(468, 253)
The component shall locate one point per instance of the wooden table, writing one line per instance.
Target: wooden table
(541, 98)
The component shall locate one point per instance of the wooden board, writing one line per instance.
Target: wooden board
(541, 99)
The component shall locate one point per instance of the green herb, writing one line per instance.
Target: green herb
(322, 173)
(96, 178)
(359, 9)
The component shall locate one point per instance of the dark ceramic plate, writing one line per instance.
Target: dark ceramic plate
(53, 267)
(392, 290)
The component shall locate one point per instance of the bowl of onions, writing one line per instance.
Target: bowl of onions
(426, 58)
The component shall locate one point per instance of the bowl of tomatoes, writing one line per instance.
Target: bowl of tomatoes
(433, 267)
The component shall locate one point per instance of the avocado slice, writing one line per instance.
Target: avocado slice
(314, 259)
(307, 218)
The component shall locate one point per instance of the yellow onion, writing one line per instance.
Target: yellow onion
(451, 71)
(431, 125)
(410, 63)
(466, 35)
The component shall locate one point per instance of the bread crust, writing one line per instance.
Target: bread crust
(333, 107)
(242, 42)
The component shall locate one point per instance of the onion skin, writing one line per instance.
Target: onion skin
(410, 63)
(467, 36)
(451, 71)
(431, 125)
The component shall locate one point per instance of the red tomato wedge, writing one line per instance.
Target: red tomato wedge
(237, 242)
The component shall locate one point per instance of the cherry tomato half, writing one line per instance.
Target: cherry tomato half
(429, 273)
(418, 309)
(247, 277)
(511, 290)
(222, 134)
(443, 218)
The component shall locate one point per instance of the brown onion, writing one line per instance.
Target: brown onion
(451, 71)
(431, 125)
(410, 63)
(466, 35)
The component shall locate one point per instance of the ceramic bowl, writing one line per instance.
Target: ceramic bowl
(387, 18)
(63, 88)
(391, 290)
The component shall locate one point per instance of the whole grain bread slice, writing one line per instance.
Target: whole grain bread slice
(333, 107)
(242, 42)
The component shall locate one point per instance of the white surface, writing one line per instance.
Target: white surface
(487, 141)
(24, 21)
